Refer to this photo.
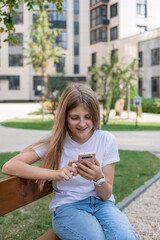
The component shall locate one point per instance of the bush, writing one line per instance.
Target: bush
(151, 105)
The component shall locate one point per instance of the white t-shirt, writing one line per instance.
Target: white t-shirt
(103, 143)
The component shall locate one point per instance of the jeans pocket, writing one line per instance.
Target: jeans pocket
(54, 214)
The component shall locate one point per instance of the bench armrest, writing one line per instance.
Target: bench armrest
(16, 192)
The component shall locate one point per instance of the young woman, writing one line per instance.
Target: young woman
(83, 204)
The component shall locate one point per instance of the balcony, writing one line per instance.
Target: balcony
(99, 21)
(95, 2)
(105, 21)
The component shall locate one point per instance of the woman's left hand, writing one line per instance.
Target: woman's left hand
(90, 171)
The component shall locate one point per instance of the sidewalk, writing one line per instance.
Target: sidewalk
(146, 117)
(144, 213)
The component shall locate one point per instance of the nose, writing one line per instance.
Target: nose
(82, 122)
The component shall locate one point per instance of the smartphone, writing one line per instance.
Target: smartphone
(86, 156)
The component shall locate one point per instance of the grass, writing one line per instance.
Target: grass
(4, 157)
(131, 126)
(134, 169)
(30, 123)
(39, 124)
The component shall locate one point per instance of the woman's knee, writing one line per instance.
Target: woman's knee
(121, 234)
(127, 234)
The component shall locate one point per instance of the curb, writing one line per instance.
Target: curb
(126, 201)
(157, 154)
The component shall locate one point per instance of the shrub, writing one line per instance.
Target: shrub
(151, 105)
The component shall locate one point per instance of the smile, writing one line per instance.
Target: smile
(81, 130)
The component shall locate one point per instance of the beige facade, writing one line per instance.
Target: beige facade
(115, 30)
(129, 48)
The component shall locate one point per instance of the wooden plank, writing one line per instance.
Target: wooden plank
(16, 192)
(50, 235)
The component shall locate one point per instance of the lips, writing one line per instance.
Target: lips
(81, 130)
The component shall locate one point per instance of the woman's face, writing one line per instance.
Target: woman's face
(80, 125)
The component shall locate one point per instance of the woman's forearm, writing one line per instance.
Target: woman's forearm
(24, 170)
(104, 191)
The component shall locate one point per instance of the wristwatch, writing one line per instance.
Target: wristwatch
(100, 181)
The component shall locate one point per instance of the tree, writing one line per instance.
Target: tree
(57, 86)
(111, 79)
(40, 50)
(8, 7)
(128, 74)
(104, 78)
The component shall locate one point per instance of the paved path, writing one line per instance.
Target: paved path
(13, 110)
(143, 140)
(12, 139)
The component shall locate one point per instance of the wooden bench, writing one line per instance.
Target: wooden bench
(16, 192)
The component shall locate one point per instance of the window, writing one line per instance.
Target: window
(15, 52)
(140, 55)
(18, 18)
(141, 29)
(98, 35)
(76, 49)
(76, 28)
(57, 20)
(52, 5)
(113, 10)
(93, 58)
(20, 39)
(76, 6)
(98, 16)
(61, 40)
(37, 85)
(76, 68)
(155, 56)
(15, 60)
(140, 86)
(156, 86)
(60, 66)
(103, 34)
(94, 2)
(14, 83)
(141, 8)
(114, 54)
(34, 17)
(114, 33)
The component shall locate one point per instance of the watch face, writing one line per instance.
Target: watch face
(101, 182)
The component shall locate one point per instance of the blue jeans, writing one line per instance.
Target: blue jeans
(91, 219)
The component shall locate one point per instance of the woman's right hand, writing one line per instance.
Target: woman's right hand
(66, 172)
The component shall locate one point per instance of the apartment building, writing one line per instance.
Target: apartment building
(90, 30)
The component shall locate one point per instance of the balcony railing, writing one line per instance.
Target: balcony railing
(94, 2)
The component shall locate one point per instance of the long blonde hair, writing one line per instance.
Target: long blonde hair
(72, 96)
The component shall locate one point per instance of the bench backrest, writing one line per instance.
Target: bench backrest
(16, 192)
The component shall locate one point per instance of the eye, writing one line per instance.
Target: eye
(88, 117)
(74, 118)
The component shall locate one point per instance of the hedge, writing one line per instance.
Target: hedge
(151, 105)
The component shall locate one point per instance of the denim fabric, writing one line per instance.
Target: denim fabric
(91, 219)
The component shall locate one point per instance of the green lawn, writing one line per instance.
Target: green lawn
(134, 169)
(30, 123)
(131, 126)
(39, 124)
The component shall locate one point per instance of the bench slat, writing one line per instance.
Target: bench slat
(16, 192)
(50, 235)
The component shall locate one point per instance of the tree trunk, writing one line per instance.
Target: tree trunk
(108, 107)
(128, 103)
